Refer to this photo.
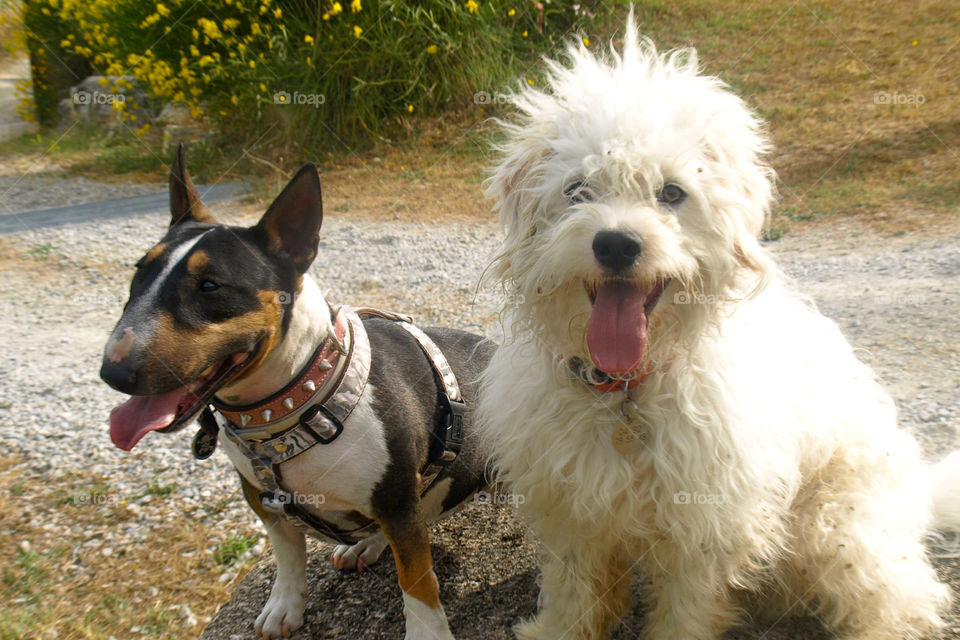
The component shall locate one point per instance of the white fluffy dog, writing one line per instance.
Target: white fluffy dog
(664, 400)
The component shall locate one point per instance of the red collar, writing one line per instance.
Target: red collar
(324, 365)
(605, 382)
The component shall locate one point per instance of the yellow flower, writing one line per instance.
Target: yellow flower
(162, 10)
(531, 81)
(234, 100)
(512, 12)
(586, 42)
(357, 30)
(253, 65)
(278, 13)
(916, 42)
(524, 34)
(194, 51)
(210, 28)
(103, 81)
(326, 16)
(355, 6)
(409, 108)
(308, 39)
(263, 88)
(432, 49)
(143, 130)
(472, 6)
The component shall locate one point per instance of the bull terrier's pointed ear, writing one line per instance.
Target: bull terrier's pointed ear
(185, 203)
(292, 223)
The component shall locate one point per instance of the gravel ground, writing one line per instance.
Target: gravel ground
(62, 289)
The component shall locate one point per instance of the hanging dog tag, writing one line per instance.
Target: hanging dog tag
(203, 445)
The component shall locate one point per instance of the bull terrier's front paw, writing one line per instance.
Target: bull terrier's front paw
(283, 613)
(424, 622)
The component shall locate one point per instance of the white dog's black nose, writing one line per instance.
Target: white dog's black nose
(617, 250)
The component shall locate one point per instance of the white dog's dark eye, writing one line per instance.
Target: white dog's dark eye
(671, 194)
(577, 192)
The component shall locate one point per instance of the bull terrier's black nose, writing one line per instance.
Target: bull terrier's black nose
(119, 376)
(617, 250)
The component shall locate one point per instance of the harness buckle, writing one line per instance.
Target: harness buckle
(276, 501)
(453, 429)
(322, 426)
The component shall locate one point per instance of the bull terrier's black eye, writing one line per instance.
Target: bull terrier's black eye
(577, 192)
(208, 285)
(671, 194)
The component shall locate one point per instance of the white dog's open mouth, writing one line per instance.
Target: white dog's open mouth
(617, 331)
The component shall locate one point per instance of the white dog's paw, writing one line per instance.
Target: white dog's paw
(424, 622)
(283, 613)
(360, 555)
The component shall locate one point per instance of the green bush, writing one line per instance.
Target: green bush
(316, 73)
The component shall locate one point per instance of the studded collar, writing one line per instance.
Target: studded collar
(316, 383)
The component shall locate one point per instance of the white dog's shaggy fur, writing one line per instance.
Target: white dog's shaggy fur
(763, 467)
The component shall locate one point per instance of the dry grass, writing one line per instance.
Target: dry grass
(819, 72)
(66, 577)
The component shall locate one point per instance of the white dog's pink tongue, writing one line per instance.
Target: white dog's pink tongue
(617, 331)
(140, 415)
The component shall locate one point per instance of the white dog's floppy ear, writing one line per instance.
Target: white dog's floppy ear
(512, 188)
(736, 144)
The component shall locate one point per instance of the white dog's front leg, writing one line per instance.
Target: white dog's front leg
(585, 590)
(283, 612)
(688, 600)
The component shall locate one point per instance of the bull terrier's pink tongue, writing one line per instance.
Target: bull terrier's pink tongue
(140, 415)
(617, 331)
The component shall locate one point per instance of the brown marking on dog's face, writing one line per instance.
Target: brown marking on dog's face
(154, 253)
(198, 261)
(179, 354)
(268, 320)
